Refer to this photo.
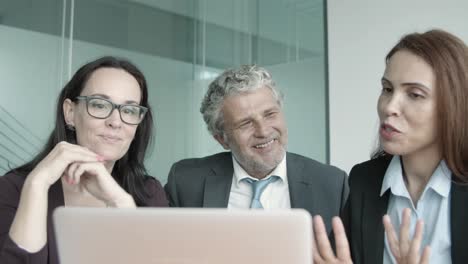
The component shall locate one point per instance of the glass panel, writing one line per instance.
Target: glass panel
(160, 43)
(284, 36)
(180, 46)
(291, 45)
(30, 76)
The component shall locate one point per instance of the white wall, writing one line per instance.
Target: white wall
(360, 35)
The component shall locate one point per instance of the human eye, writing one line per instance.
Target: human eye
(131, 110)
(245, 124)
(386, 89)
(416, 95)
(271, 114)
(98, 104)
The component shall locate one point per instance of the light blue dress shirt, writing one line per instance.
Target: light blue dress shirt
(433, 208)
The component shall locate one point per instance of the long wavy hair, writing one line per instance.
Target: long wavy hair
(129, 171)
(448, 57)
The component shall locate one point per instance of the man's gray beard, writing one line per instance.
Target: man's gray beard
(256, 168)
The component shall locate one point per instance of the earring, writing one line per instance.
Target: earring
(70, 127)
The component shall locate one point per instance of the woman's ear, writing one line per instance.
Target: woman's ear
(69, 112)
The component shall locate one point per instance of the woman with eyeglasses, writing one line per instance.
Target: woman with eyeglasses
(408, 204)
(93, 158)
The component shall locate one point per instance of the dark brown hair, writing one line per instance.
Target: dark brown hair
(448, 57)
(129, 171)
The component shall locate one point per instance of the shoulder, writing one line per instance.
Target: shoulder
(312, 165)
(156, 194)
(376, 165)
(328, 178)
(369, 173)
(10, 186)
(208, 160)
(12, 180)
(200, 166)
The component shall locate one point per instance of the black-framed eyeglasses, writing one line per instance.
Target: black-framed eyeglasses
(102, 108)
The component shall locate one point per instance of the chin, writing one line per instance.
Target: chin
(111, 155)
(393, 150)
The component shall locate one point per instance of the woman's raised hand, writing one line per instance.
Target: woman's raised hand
(322, 251)
(80, 165)
(404, 249)
(95, 178)
(53, 166)
(29, 226)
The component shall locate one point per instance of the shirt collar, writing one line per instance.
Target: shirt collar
(440, 180)
(240, 173)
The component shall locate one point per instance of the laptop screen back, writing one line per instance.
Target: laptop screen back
(182, 236)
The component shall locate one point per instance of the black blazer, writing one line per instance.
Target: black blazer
(206, 182)
(363, 212)
(10, 192)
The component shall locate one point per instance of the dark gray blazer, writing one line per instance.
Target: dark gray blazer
(206, 182)
(365, 208)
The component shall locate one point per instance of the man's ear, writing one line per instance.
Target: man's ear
(222, 141)
(69, 112)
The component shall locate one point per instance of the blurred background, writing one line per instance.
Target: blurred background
(180, 45)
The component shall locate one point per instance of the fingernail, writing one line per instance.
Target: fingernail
(100, 158)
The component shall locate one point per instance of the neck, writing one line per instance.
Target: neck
(109, 166)
(418, 169)
(258, 174)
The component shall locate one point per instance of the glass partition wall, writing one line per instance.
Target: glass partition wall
(180, 46)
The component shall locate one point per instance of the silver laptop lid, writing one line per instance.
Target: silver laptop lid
(182, 236)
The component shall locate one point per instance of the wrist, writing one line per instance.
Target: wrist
(123, 201)
(36, 184)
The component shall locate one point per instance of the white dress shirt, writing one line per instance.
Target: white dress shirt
(275, 195)
(433, 208)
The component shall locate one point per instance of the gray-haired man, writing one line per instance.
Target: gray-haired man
(243, 112)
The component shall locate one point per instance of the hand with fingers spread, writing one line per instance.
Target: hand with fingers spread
(404, 249)
(95, 178)
(322, 251)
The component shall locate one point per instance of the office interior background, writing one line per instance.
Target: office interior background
(326, 56)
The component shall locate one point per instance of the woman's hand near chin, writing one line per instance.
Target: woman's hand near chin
(94, 177)
(53, 166)
(29, 226)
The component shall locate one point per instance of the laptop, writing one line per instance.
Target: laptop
(182, 236)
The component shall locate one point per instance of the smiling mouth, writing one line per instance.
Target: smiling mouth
(111, 139)
(264, 145)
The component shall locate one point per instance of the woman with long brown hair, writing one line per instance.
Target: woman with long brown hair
(419, 175)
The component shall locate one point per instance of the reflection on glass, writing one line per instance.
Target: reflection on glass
(180, 46)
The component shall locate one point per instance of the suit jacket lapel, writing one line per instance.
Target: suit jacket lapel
(458, 223)
(374, 207)
(299, 195)
(218, 183)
